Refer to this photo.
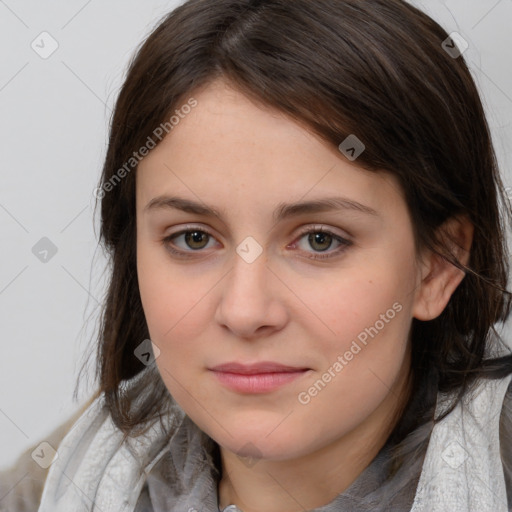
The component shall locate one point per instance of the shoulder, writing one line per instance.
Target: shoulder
(463, 466)
(21, 485)
(108, 468)
(506, 442)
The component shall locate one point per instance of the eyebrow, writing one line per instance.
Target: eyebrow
(283, 210)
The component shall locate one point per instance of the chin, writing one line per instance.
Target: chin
(258, 444)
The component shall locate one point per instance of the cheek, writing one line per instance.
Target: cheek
(170, 300)
(362, 361)
(356, 305)
(365, 324)
(173, 309)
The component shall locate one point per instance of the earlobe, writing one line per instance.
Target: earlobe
(439, 277)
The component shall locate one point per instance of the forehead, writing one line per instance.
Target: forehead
(229, 149)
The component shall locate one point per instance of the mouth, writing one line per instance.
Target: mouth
(260, 377)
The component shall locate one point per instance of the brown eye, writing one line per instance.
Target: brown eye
(319, 244)
(196, 239)
(320, 241)
(184, 243)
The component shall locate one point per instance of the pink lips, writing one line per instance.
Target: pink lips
(258, 377)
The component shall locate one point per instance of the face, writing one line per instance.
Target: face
(242, 261)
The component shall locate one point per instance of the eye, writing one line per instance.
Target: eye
(192, 240)
(188, 240)
(321, 240)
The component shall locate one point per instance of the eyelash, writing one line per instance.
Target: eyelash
(344, 243)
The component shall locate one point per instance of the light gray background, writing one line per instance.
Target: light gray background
(53, 128)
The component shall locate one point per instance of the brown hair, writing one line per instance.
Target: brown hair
(373, 68)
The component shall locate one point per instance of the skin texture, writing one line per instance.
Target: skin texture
(244, 160)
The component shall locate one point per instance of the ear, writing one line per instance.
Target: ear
(439, 278)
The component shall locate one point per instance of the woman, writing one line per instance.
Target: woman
(302, 205)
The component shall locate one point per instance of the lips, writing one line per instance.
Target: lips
(257, 368)
(256, 378)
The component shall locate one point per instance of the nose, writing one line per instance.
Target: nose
(251, 303)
